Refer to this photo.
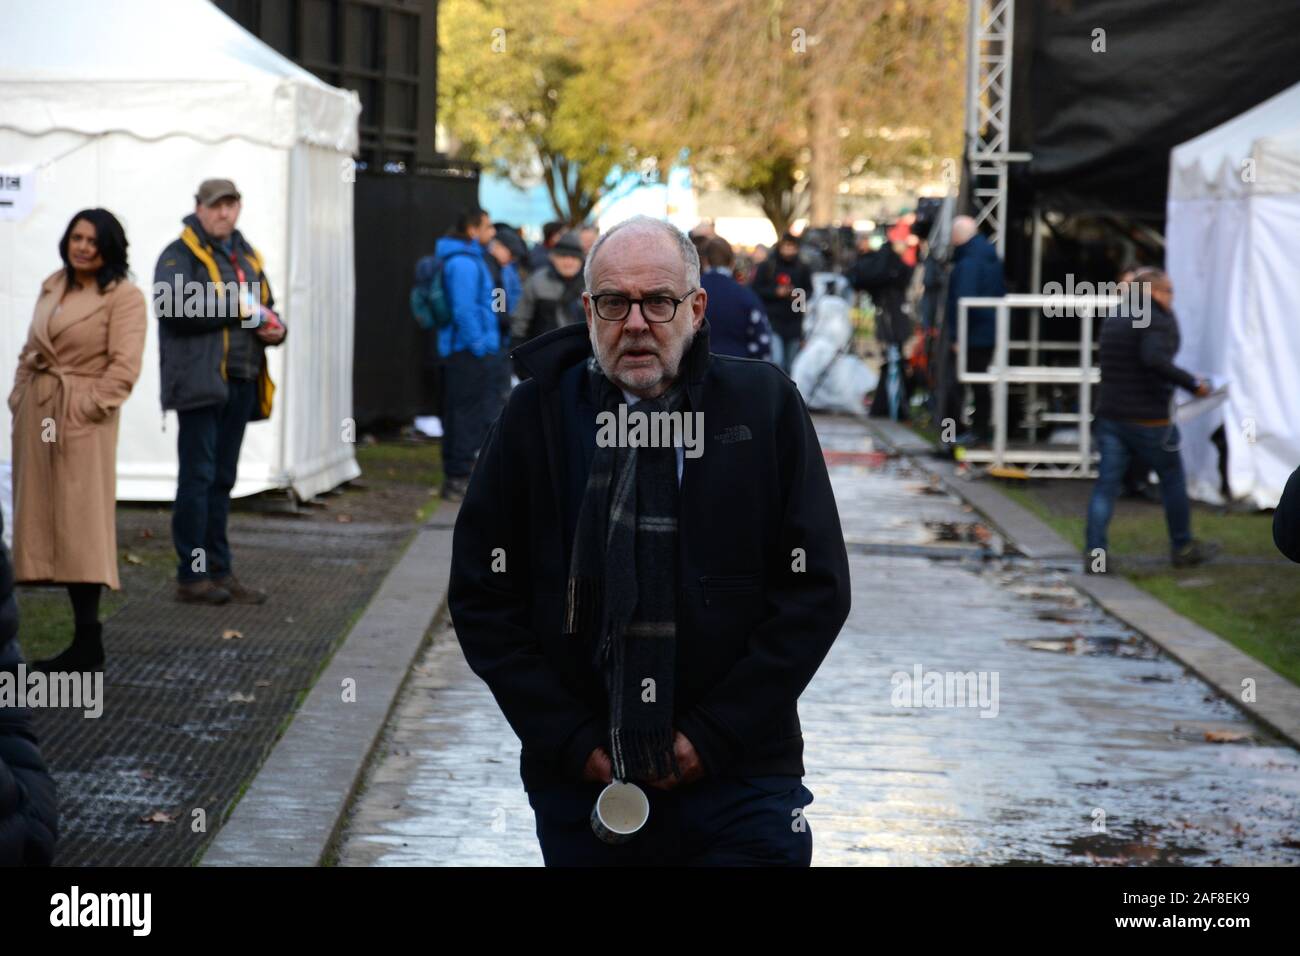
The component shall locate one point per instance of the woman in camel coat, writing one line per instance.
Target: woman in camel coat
(80, 362)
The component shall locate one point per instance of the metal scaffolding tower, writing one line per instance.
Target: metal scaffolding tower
(988, 112)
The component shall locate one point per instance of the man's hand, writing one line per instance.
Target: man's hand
(271, 335)
(1202, 388)
(688, 761)
(599, 769)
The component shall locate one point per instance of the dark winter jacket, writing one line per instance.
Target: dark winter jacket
(201, 340)
(884, 276)
(773, 273)
(738, 323)
(1286, 518)
(976, 271)
(1138, 373)
(763, 579)
(547, 303)
(29, 812)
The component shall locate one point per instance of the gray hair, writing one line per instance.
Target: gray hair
(641, 223)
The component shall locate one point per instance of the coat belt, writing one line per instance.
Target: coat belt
(62, 395)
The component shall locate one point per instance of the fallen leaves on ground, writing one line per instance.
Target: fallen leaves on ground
(1225, 736)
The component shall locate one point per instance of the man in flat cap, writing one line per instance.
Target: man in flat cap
(215, 319)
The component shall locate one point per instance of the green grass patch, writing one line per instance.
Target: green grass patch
(406, 462)
(45, 619)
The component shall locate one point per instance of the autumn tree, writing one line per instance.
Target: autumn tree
(520, 91)
(783, 100)
(779, 100)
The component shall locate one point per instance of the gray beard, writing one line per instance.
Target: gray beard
(670, 374)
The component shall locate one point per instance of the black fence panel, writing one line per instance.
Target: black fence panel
(398, 218)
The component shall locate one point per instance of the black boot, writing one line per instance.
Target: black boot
(85, 654)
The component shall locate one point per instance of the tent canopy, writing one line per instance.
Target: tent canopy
(1255, 154)
(158, 68)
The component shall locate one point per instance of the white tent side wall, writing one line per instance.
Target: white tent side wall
(1205, 245)
(1233, 226)
(1264, 435)
(321, 291)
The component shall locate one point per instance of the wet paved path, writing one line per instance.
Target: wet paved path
(1095, 748)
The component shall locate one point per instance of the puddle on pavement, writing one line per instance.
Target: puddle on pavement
(933, 488)
(967, 532)
(1132, 647)
(1146, 847)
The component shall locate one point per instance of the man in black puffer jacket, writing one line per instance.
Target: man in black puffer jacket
(1135, 420)
(29, 814)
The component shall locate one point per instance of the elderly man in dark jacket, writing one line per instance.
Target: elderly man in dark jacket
(649, 611)
(215, 320)
(1135, 420)
(976, 271)
(29, 813)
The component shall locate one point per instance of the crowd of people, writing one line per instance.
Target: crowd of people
(483, 292)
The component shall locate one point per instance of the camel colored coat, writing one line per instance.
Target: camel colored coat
(77, 368)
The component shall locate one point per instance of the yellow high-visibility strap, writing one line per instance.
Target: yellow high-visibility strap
(255, 258)
(191, 240)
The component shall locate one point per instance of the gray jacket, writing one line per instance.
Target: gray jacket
(549, 301)
(197, 324)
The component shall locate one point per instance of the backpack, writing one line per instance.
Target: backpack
(430, 300)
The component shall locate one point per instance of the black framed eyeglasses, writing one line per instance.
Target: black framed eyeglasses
(616, 307)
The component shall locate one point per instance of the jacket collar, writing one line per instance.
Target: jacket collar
(75, 309)
(192, 221)
(549, 356)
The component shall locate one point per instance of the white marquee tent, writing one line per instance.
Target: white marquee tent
(1233, 234)
(129, 106)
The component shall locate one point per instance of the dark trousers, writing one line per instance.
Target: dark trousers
(734, 821)
(790, 348)
(1157, 447)
(470, 398)
(977, 360)
(208, 448)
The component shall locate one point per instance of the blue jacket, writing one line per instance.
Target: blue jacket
(737, 318)
(474, 326)
(976, 271)
(513, 285)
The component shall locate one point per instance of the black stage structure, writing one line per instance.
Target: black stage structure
(407, 194)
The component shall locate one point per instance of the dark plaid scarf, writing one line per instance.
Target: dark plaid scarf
(623, 584)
